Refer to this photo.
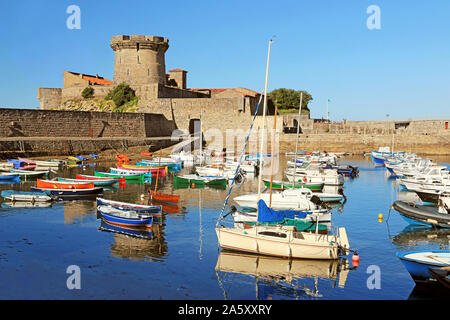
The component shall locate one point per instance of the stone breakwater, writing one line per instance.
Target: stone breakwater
(424, 144)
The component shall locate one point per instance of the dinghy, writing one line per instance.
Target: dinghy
(125, 218)
(142, 208)
(68, 194)
(97, 183)
(14, 195)
(9, 177)
(129, 176)
(193, 179)
(63, 184)
(423, 215)
(29, 173)
(418, 263)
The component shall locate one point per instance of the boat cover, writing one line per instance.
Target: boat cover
(266, 214)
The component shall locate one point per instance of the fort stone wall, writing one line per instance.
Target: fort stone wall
(55, 123)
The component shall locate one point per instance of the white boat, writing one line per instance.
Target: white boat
(289, 199)
(431, 178)
(13, 195)
(43, 163)
(29, 173)
(284, 241)
(219, 171)
(6, 166)
(319, 175)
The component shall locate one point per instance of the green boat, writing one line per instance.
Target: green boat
(134, 177)
(283, 185)
(195, 180)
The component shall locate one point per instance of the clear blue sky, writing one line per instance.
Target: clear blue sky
(323, 47)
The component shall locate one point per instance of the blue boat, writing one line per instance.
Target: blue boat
(12, 177)
(378, 158)
(125, 218)
(418, 262)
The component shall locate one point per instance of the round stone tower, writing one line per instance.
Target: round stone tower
(139, 60)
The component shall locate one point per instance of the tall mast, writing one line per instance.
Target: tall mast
(298, 130)
(264, 121)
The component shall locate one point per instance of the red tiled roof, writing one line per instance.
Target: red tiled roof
(93, 79)
(177, 69)
(99, 80)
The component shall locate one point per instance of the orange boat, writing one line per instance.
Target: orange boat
(162, 197)
(50, 184)
(148, 154)
(122, 159)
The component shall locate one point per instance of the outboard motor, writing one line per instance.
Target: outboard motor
(316, 200)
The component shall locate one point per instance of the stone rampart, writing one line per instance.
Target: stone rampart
(55, 123)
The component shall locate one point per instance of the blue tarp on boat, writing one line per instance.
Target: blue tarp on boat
(266, 214)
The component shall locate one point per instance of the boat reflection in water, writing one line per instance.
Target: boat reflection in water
(278, 276)
(414, 236)
(136, 243)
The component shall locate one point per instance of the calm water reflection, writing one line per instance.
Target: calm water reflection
(179, 258)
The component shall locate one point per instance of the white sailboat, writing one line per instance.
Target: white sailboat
(281, 240)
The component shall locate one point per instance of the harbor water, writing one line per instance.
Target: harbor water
(180, 259)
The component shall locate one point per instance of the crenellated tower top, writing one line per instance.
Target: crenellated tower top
(139, 59)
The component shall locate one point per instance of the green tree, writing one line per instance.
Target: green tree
(87, 93)
(289, 99)
(121, 95)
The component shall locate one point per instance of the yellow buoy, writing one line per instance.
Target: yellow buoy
(380, 216)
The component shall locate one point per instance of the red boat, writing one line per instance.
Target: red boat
(50, 184)
(162, 197)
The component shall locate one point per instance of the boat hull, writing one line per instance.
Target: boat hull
(63, 185)
(251, 240)
(129, 206)
(417, 264)
(128, 177)
(423, 215)
(282, 185)
(146, 222)
(70, 193)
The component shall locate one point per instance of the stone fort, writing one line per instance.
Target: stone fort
(140, 62)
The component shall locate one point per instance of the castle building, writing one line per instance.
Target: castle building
(140, 62)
